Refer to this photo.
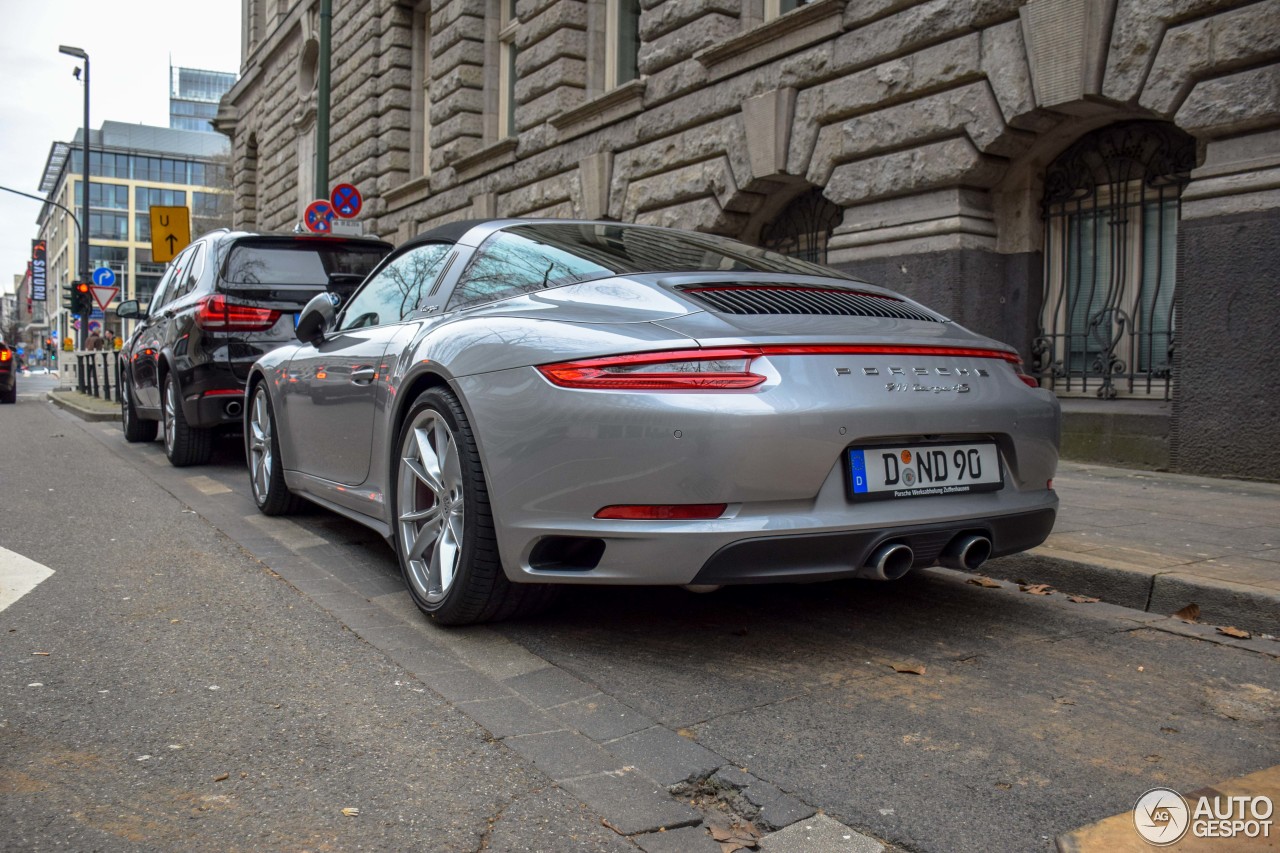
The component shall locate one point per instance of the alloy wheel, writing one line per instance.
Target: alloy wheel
(430, 508)
(261, 459)
(170, 416)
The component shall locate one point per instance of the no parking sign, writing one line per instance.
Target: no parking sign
(318, 218)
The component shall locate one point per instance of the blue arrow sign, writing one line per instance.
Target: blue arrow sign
(104, 277)
(346, 200)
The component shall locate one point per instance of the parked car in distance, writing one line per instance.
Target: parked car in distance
(8, 373)
(518, 404)
(223, 302)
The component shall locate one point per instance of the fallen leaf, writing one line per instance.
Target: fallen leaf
(1190, 613)
(351, 812)
(1063, 700)
(733, 845)
(1083, 599)
(1004, 786)
(909, 668)
(984, 582)
(224, 777)
(1153, 758)
(1168, 730)
(1235, 632)
(1037, 589)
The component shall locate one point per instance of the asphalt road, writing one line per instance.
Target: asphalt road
(164, 690)
(1027, 716)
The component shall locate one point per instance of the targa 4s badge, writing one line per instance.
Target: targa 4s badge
(895, 371)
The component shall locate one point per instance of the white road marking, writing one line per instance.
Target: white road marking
(18, 576)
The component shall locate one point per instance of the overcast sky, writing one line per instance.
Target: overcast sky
(130, 44)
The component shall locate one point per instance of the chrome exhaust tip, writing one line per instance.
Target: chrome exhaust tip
(888, 563)
(966, 553)
(234, 408)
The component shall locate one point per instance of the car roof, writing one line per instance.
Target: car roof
(228, 234)
(476, 230)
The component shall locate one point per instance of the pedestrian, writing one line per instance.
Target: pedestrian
(94, 341)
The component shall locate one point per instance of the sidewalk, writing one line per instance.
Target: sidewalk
(1142, 539)
(1160, 542)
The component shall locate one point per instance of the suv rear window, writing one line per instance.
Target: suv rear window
(309, 263)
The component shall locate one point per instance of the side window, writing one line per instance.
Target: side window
(395, 292)
(165, 289)
(193, 263)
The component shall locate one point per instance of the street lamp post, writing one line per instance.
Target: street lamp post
(79, 53)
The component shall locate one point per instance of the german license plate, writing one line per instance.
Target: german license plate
(893, 472)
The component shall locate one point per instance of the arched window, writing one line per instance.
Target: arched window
(1111, 208)
(803, 228)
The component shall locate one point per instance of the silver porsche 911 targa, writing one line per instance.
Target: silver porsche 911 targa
(518, 404)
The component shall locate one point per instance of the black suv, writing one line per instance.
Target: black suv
(223, 302)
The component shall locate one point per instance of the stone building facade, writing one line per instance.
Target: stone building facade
(1094, 181)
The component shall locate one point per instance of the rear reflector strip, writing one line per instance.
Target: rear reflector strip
(662, 512)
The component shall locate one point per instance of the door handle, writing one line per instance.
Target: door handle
(363, 375)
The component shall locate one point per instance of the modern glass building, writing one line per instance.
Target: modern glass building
(132, 167)
(193, 97)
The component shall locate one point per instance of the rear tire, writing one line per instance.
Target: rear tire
(443, 524)
(262, 451)
(135, 429)
(183, 444)
(10, 396)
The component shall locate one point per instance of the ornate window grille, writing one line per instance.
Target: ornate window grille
(803, 228)
(1111, 210)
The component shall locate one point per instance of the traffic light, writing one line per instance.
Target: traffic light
(82, 299)
(69, 299)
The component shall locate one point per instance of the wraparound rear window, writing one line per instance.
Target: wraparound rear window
(528, 258)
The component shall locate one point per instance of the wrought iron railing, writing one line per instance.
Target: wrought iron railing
(1111, 208)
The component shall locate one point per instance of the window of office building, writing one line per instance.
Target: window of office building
(162, 170)
(207, 204)
(146, 197)
(104, 196)
(108, 226)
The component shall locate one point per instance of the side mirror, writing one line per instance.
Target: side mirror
(129, 310)
(317, 318)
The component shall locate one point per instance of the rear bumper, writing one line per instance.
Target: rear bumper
(827, 556)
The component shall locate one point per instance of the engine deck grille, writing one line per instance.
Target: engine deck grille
(800, 299)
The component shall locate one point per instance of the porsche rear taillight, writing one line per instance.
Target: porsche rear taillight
(5, 355)
(683, 370)
(727, 368)
(216, 313)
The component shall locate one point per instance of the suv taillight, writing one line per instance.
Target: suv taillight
(218, 314)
